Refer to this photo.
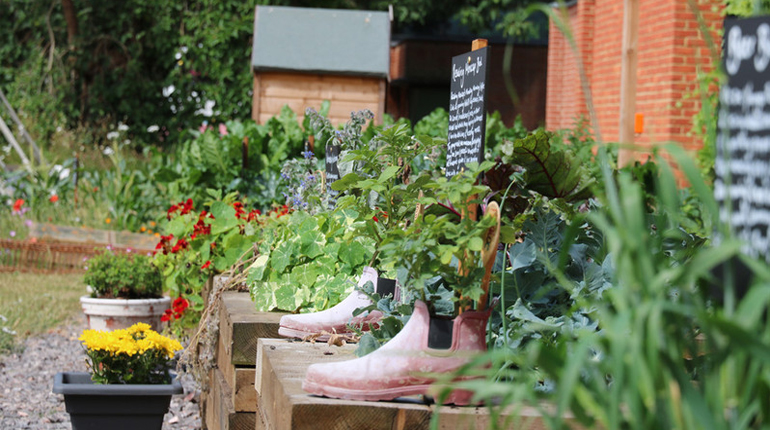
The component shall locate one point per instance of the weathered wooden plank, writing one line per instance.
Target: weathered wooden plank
(241, 326)
(244, 394)
(281, 368)
(220, 412)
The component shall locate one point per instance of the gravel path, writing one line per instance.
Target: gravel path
(26, 379)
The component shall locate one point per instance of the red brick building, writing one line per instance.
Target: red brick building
(671, 51)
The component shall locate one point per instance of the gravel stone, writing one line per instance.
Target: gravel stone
(26, 380)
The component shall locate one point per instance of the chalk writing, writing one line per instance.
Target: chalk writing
(467, 109)
(742, 166)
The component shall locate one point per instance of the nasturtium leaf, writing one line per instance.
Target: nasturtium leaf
(262, 296)
(281, 256)
(257, 269)
(177, 227)
(312, 243)
(304, 275)
(284, 298)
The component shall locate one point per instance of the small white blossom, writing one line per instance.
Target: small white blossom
(3, 318)
(9, 331)
(167, 91)
(113, 135)
(127, 141)
(153, 128)
(122, 127)
(208, 108)
(108, 151)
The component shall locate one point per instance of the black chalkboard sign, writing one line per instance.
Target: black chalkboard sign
(467, 110)
(742, 185)
(332, 173)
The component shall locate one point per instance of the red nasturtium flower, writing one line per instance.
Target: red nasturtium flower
(53, 199)
(164, 244)
(180, 245)
(206, 265)
(17, 205)
(178, 306)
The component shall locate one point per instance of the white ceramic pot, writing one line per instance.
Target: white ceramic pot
(111, 314)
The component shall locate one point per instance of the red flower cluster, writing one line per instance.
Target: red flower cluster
(164, 244)
(180, 244)
(280, 210)
(206, 265)
(183, 208)
(200, 228)
(53, 199)
(178, 307)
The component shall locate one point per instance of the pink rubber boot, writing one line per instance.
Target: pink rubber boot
(336, 319)
(402, 366)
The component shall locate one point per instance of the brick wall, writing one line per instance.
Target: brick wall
(671, 50)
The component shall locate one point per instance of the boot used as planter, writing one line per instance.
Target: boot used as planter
(113, 406)
(403, 366)
(336, 319)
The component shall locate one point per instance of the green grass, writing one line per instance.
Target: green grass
(32, 304)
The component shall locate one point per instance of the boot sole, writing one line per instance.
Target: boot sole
(456, 397)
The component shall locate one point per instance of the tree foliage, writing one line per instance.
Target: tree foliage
(171, 64)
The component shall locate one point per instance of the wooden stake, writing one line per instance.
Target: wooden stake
(628, 79)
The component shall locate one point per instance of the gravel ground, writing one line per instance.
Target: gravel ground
(26, 379)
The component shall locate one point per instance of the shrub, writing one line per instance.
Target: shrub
(126, 276)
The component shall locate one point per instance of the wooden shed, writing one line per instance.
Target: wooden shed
(303, 56)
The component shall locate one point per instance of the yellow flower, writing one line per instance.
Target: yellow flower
(108, 221)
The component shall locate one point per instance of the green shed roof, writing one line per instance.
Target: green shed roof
(321, 41)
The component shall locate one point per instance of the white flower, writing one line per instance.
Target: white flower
(167, 91)
(127, 141)
(108, 151)
(122, 127)
(113, 135)
(63, 173)
(184, 49)
(153, 128)
(208, 108)
(9, 331)
(3, 318)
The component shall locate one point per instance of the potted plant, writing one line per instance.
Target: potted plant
(128, 386)
(125, 289)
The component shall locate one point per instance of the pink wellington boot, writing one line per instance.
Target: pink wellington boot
(402, 367)
(320, 325)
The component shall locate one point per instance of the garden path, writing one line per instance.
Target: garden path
(26, 379)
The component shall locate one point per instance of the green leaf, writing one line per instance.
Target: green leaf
(552, 172)
(284, 298)
(257, 269)
(475, 244)
(281, 256)
(388, 173)
(347, 181)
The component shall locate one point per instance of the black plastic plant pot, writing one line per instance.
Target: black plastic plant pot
(114, 407)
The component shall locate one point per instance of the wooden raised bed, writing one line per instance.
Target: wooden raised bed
(231, 402)
(281, 367)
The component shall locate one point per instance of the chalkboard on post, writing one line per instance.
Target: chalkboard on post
(332, 173)
(742, 185)
(467, 110)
